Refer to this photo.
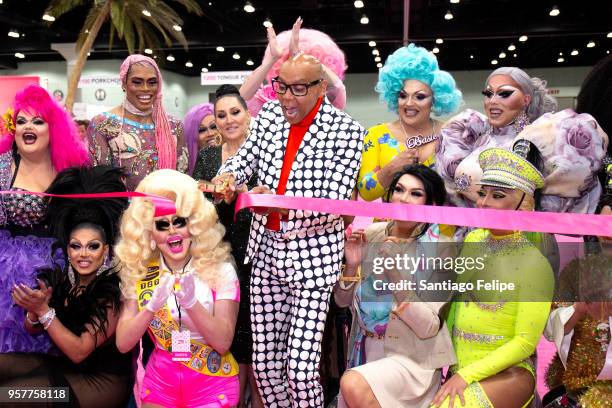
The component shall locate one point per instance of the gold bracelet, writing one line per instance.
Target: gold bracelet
(355, 278)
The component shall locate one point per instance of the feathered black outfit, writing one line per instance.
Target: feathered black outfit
(105, 377)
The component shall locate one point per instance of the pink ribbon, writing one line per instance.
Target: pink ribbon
(534, 221)
(163, 206)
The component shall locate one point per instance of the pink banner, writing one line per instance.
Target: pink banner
(163, 205)
(534, 221)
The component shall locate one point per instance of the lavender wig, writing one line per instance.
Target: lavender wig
(65, 145)
(191, 124)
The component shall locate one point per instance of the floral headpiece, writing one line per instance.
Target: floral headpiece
(7, 123)
(503, 168)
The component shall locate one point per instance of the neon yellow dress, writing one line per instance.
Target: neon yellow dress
(379, 148)
(492, 332)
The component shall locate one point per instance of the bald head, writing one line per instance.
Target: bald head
(299, 72)
(305, 61)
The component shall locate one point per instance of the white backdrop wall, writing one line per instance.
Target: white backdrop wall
(181, 92)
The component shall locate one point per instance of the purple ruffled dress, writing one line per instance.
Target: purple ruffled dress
(24, 252)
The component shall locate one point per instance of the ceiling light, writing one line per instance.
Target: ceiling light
(554, 12)
(86, 31)
(560, 54)
(189, 64)
(375, 52)
(13, 34)
(379, 65)
(267, 23)
(471, 56)
(523, 38)
(248, 7)
(209, 64)
(609, 35)
(155, 56)
(220, 49)
(358, 4)
(439, 41)
(236, 56)
(364, 19)
(493, 62)
(448, 15)
(377, 59)
(435, 50)
(514, 55)
(19, 55)
(170, 58)
(560, 59)
(204, 69)
(372, 43)
(48, 17)
(511, 47)
(502, 55)
(607, 52)
(148, 51)
(454, 1)
(177, 27)
(574, 52)
(250, 62)
(591, 44)
(146, 12)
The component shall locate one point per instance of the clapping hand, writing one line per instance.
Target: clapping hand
(160, 294)
(276, 51)
(33, 300)
(186, 296)
(294, 44)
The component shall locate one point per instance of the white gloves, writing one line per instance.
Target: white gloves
(161, 293)
(187, 295)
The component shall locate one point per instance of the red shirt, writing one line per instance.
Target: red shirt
(296, 135)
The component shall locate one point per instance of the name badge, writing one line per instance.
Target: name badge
(181, 341)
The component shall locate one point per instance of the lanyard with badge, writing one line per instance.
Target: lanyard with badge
(181, 339)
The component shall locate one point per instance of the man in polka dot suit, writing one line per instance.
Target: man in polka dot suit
(299, 145)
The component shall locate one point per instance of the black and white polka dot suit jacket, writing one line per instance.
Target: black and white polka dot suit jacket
(325, 166)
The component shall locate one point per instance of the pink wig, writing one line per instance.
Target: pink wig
(165, 142)
(65, 145)
(312, 42)
(315, 43)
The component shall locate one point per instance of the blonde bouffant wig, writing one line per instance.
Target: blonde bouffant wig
(208, 250)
